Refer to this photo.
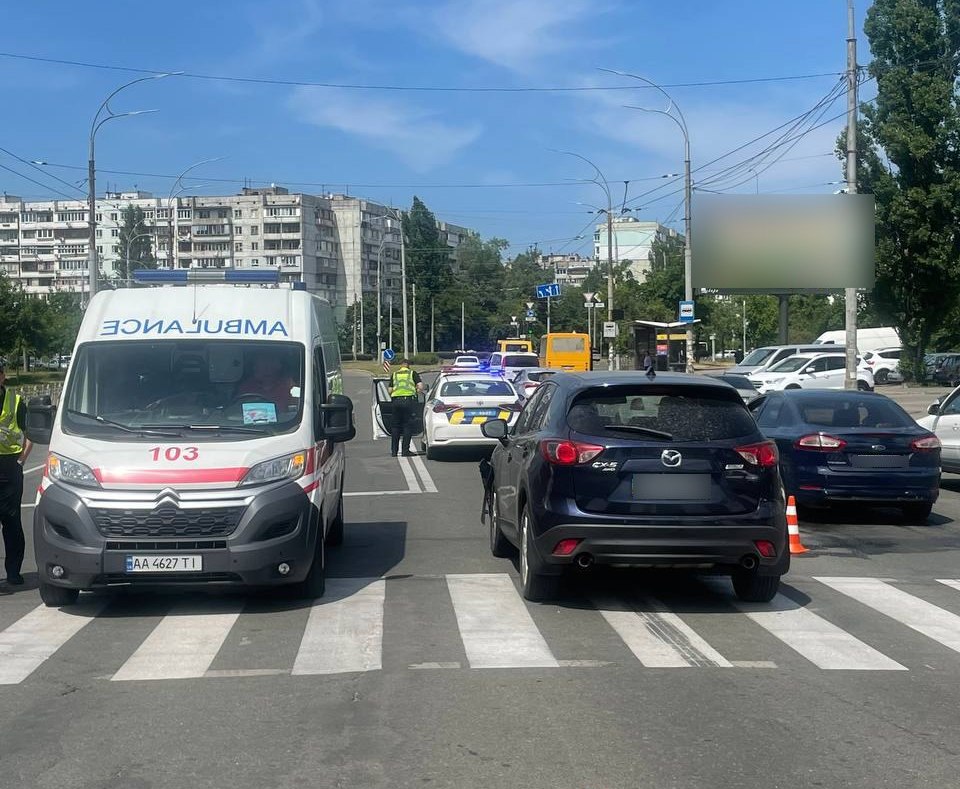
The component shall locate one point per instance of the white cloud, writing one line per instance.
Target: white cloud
(515, 34)
(415, 135)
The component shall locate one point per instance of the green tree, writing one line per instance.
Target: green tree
(134, 244)
(66, 314)
(915, 123)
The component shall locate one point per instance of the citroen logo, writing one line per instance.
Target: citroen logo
(167, 496)
(671, 458)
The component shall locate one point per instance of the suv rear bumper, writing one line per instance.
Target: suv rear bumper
(65, 535)
(705, 546)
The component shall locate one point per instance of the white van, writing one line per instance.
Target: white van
(198, 440)
(867, 339)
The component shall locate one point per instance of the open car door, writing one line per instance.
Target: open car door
(383, 410)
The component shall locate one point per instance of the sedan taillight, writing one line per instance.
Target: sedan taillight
(560, 452)
(820, 442)
(442, 408)
(515, 407)
(925, 444)
(762, 454)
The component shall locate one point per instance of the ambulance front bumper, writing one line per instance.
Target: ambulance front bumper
(233, 538)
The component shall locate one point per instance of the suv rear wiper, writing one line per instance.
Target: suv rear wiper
(144, 430)
(645, 430)
(217, 428)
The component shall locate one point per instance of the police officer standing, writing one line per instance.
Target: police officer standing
(404, 385)
(14, 449)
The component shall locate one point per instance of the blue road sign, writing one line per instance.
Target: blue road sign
(389, 354)
(529, 313)
(686, 312)
(550, 290)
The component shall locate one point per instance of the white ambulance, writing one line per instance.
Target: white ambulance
(198, 440)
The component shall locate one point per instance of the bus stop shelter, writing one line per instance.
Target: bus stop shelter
(666, 344)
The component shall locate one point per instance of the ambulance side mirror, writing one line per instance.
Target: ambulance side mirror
(40, 413)
(335, 420)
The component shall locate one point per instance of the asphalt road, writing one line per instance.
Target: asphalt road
(422, 667)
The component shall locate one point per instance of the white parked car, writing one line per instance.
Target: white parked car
(466, 363)
(811, 371)
(459, 403)
(944, 421)
(884, 363)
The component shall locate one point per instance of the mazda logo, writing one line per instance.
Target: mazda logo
(671, 458)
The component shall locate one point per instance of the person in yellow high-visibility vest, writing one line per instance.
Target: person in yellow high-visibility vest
(14, 450)
(404, 386)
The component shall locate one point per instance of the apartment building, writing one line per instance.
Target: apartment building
(568, 269)
(633, 240)
(332, 243)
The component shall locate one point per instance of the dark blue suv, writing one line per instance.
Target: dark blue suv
(631, 470)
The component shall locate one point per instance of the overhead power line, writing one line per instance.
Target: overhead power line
(412, 88)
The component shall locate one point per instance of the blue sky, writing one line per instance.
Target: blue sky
(456, 150)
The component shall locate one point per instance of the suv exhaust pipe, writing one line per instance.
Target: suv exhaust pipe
(585, 561)
(748, 562)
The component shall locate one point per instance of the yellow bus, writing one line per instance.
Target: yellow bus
(565, 351)
(515, 346)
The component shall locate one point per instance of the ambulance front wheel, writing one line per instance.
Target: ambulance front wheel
(56, 596)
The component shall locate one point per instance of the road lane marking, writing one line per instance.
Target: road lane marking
(950, 582)
(819, 641)
(658, 637)
(183, 645)
(412, 485)
(926, 618)
(35, 468)
(425, 478)
(381, 492)
(344, 632)
(34, 638)
(496, 628)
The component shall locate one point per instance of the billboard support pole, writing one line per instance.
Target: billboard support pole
(784, 323)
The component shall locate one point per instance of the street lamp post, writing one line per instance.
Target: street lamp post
(600, 181)
(130, 241)
(172, 219)
(687, 194)
(92, 262)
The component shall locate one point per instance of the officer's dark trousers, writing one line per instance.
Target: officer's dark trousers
(11, 493)
(404, 409)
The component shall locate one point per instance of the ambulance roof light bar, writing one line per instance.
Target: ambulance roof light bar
(206, 276)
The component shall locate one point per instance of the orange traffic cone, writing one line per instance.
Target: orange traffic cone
(793, 527)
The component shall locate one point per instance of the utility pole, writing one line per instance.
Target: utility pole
(744, 328)
(850, 294)
(463, 313)
(361, 316)
(414, 318)
(390, 326)
(609, 277)
(548, 315)
(687, 253)
(403, 284)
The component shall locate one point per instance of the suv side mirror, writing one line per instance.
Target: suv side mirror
(495, 428)
(40, 413)
(335, 419)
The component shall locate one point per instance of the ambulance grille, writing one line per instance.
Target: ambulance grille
(167, 521)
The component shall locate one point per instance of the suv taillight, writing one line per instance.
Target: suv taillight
(560, 452)
(762, 454)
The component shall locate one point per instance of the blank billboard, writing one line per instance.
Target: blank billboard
(782, 243)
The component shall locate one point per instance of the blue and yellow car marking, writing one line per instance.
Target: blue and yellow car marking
(466, 417)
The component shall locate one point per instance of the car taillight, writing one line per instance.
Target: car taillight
(925, 444)
(510, 406)
(820, 442)
(762, 454)
(568, 453)
(442, 408)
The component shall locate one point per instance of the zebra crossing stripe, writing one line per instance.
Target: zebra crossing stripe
(658, 637)
(344, 631)
(951, 582)
(34, 638)
(819, 641)
(926, 618)
(183, 645)
(496, 628)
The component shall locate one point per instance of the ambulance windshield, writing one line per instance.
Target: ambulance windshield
(239, 386)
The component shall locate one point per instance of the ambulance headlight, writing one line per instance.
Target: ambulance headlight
(287, 467)
(70, 472)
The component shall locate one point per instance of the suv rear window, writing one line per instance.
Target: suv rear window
(686, 413)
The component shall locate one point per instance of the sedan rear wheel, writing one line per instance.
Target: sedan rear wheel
(534, 586)
(917, 511)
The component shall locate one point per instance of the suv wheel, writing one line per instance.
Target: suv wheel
(863, 386)
(533, 585)
(917, 511)
(881, 377)
(499, 545)
(56, 596)
(753, 588)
